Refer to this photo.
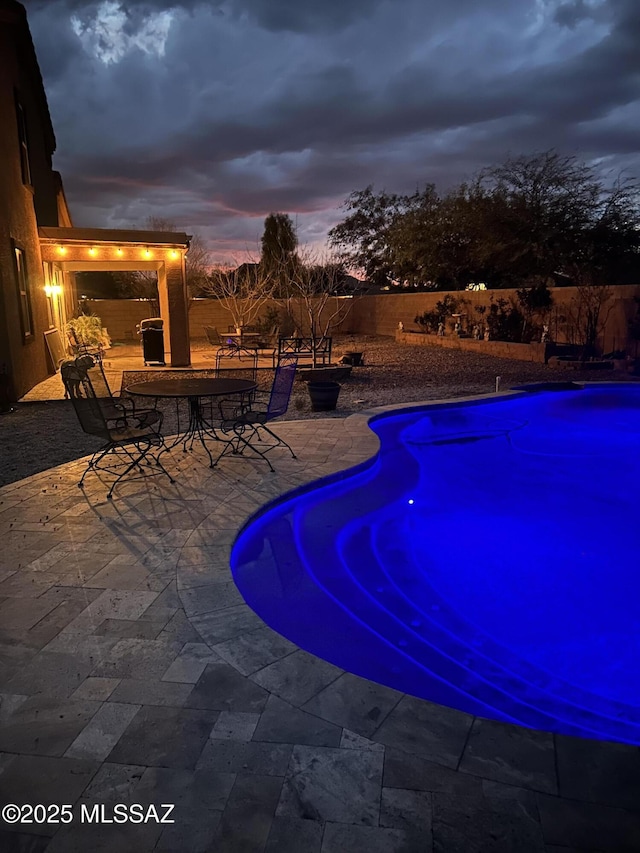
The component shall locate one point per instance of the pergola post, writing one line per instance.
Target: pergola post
(174, 310)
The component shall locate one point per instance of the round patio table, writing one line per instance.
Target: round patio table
(194, 390)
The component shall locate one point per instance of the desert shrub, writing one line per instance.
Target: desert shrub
(444, 308)
(505, 321)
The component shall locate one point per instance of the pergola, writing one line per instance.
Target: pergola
(97, 249)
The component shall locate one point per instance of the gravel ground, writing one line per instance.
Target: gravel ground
(37, 436)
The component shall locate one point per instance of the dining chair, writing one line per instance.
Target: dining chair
(247, 426)
(268, 345)
(127, 441)
(117, 409)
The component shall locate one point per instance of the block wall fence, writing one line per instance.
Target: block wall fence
(381, 314)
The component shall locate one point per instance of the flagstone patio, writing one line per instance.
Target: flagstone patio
(132, 671)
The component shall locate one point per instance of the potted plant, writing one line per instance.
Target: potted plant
(87, 334)
(323, 395)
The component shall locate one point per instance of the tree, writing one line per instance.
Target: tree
(535, 303)
(279, 243)
(610, 249)
(542, 205)
(197, 266)
(318, 296)
(362, 241)
(242, 289)
(588, 313)
(520, 222)
(433, 243)
(143, 284)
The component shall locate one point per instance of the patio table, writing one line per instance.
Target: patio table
(244, 342)
(194, 390)
(241, 337)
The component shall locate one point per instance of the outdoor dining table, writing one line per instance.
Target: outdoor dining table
(194, 391)
(242, 335)
(243, 341)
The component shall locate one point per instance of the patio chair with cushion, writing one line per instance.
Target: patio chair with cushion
(118, 409)
(128, 442)
(247, 424)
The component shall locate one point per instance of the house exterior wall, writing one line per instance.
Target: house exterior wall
(23, 206)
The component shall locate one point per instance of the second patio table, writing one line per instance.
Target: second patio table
(194, 390)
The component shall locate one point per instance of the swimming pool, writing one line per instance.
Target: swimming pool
(486, 559)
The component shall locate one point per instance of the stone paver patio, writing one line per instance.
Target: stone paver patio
(133, 672)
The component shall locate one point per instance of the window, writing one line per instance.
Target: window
(24, 145)
(24, 298)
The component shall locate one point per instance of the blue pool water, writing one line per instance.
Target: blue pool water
(487, 559)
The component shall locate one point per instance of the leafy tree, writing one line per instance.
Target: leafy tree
(438, 241)
(363, 240)
(519, 222)
(542, 205)
(279, 242)
(610, 249)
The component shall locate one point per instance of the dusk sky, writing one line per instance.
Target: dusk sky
(213, 114)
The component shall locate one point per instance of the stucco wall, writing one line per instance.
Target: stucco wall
(501, 349)
(120, 316)
(24, 358)
(380, 315)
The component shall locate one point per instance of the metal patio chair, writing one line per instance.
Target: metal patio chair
(117, 409)
(268, 345)
(78, 347)
(128, 442)
(225, 347)
(247, 425)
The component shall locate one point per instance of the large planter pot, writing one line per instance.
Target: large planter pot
(324, 395)
(335, 373)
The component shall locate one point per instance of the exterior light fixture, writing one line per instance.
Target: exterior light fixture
(61, 250)
(119, 250)
(92, 251)
(147, 253)
(174, 253)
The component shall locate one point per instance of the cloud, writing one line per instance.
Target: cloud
(214, 114)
